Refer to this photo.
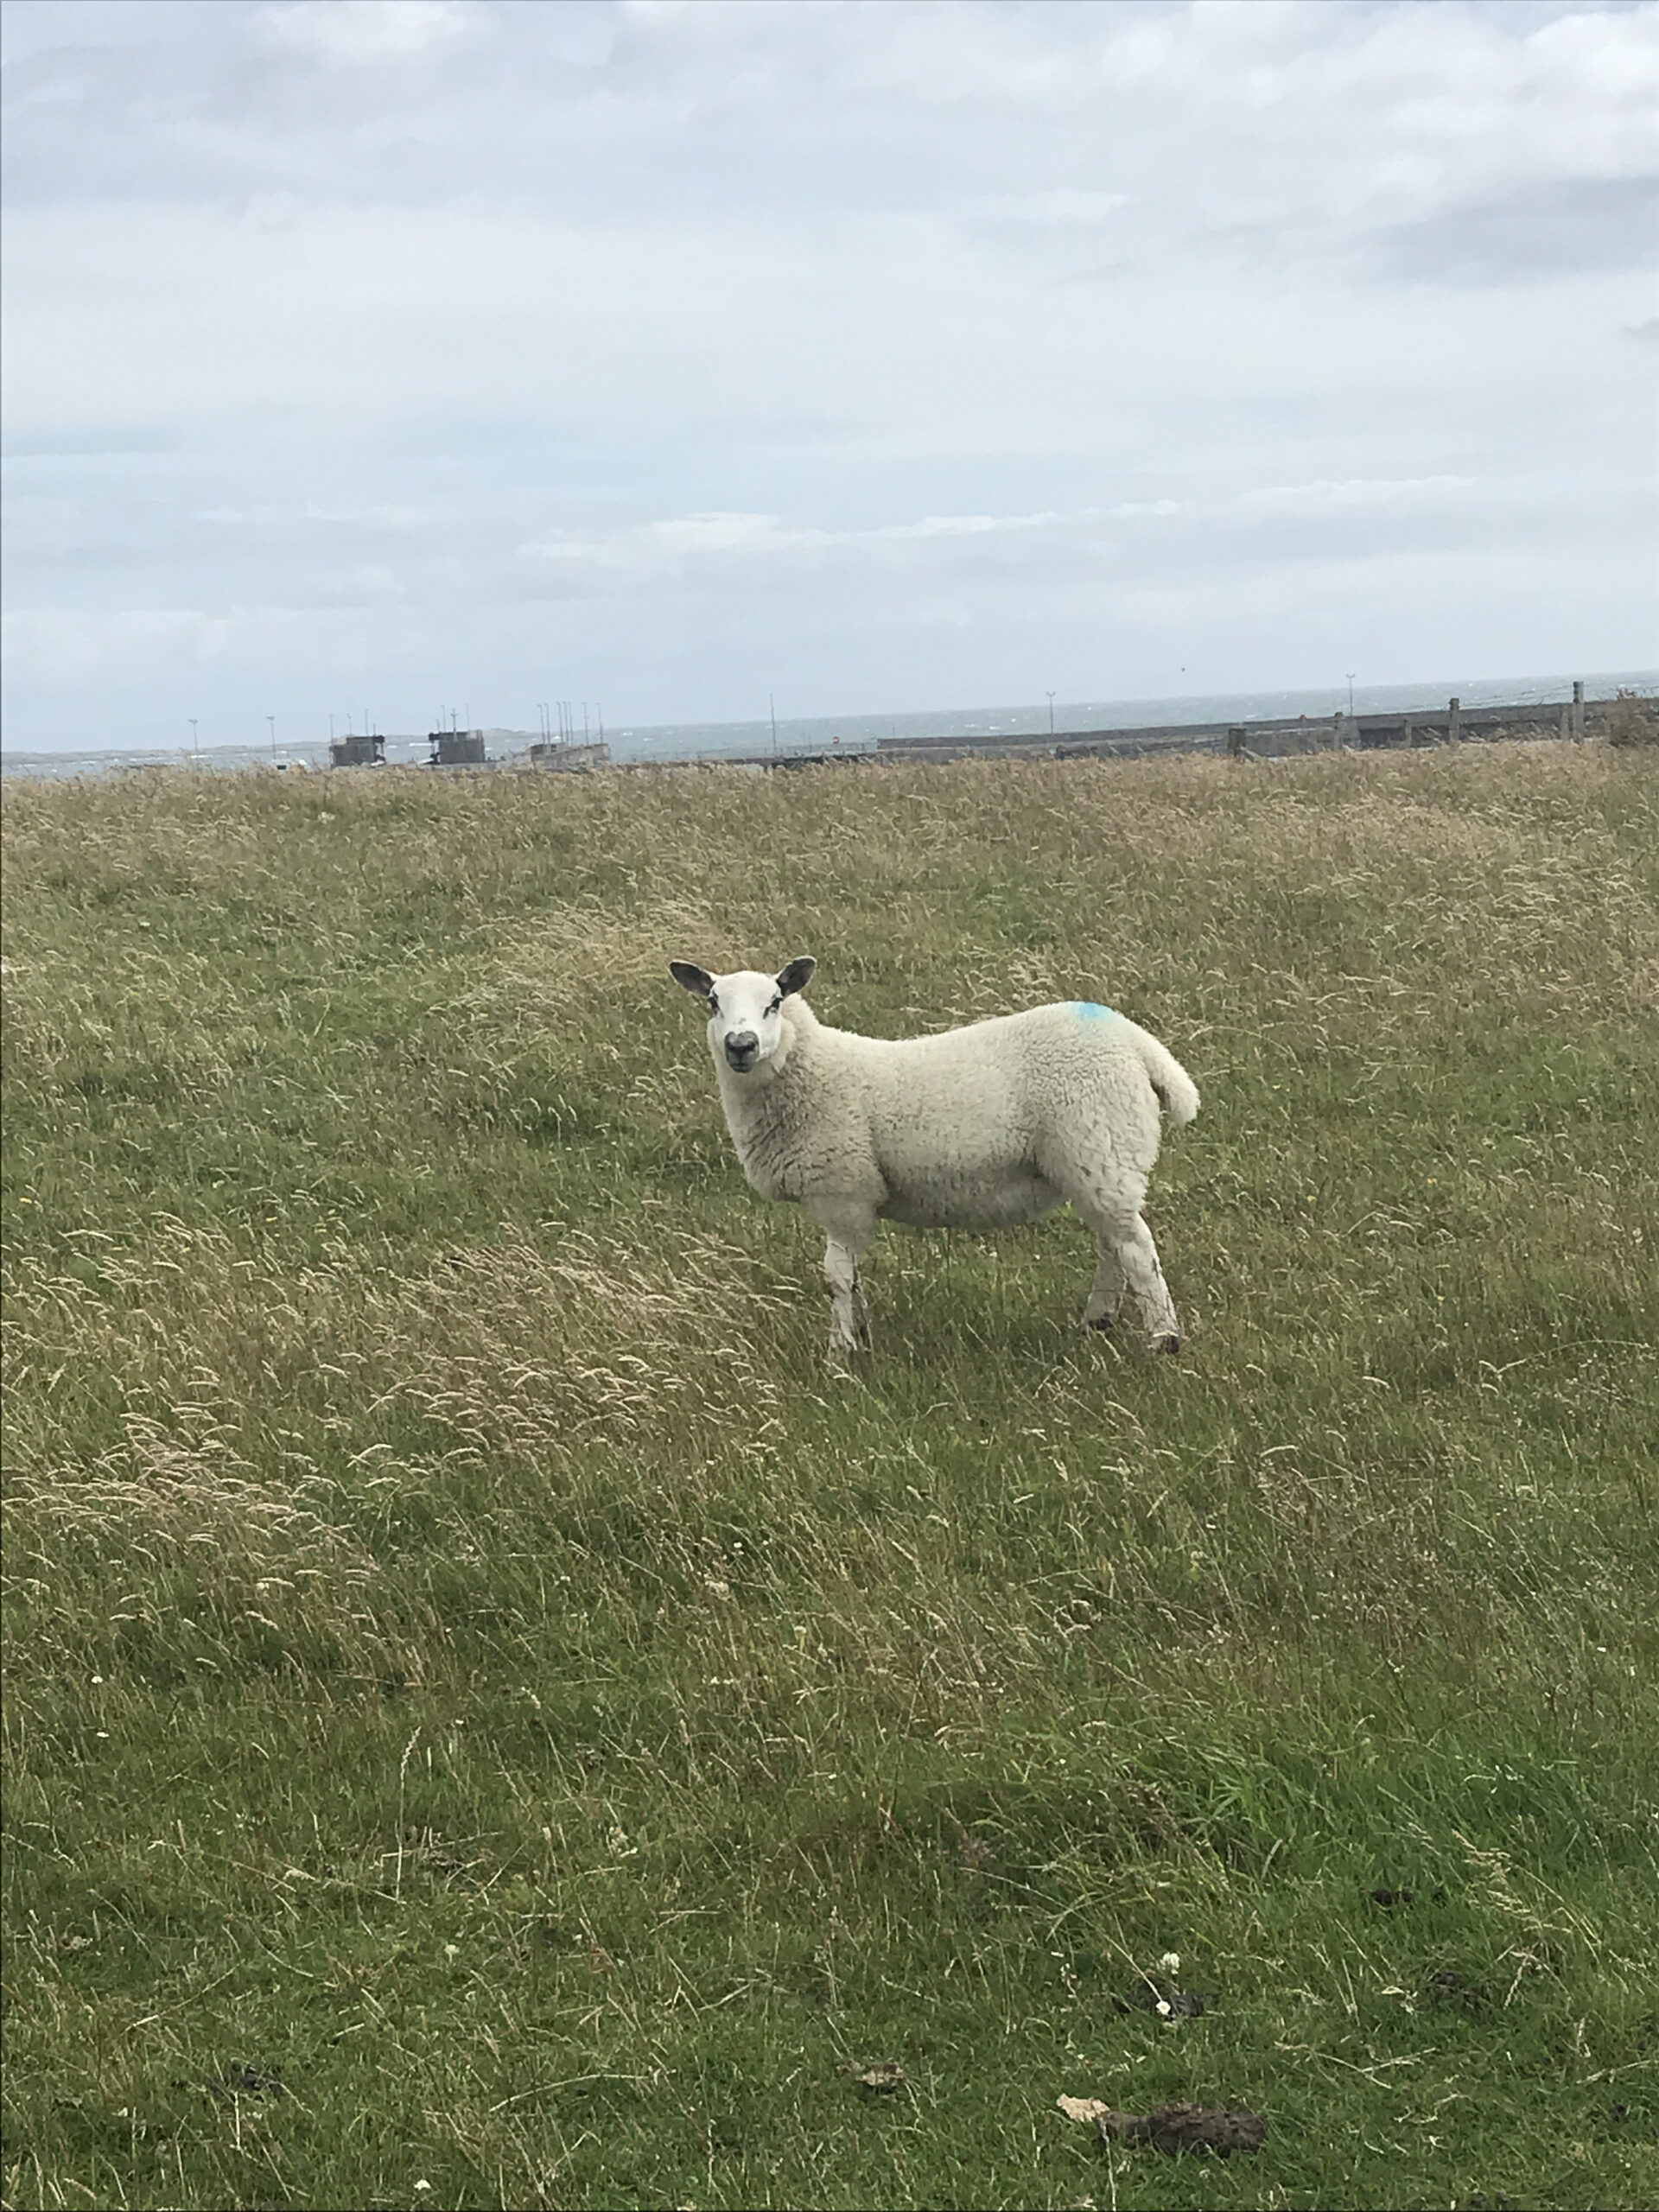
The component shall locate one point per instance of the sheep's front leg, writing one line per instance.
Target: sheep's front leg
(849, 1313)
(847, 1232)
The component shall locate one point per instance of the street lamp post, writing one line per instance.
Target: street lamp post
(1051, 714)
(271, 719)
(194, 762)
(1350, 695)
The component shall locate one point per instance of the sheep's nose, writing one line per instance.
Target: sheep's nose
(742, 1047)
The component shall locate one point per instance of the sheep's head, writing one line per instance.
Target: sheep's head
(745, 1010)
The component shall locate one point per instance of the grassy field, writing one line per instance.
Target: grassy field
(489, 1719)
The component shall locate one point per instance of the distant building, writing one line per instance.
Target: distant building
(363, 752)
(456, 748)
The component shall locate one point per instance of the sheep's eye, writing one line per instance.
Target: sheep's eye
(713, 1003)
(776, 1003)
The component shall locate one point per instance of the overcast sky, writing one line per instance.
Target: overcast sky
(891, 355)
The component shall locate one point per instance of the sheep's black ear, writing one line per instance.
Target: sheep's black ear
(695, 980)
(795, 976)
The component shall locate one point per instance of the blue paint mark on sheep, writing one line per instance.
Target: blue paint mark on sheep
(1087, 1011)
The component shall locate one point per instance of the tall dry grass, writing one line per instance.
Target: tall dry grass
(467, 1657)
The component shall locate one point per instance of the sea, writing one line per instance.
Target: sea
(672, 742)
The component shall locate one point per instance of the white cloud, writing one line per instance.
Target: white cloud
(675, 539)
(1358, 494)
(55, 642)
(722, 533)
(1062, 206)
(366, 31)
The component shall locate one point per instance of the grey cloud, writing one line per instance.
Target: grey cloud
(1575, 224)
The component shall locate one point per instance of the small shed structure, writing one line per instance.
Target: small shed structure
(361, 751)
(456, 748)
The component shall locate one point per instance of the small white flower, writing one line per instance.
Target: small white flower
(419, 2184)
(451, 1950)
(97, 1680)
(1163, 2006)
(1170, 1962)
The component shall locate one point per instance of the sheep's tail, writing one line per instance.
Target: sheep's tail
(1177, 1092)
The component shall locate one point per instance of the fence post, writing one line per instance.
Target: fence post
(1454, 720)
(1336, 731)
(1235, 743)
(1578, 714)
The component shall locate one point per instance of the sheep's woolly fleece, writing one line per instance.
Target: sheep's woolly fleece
(980, 1127)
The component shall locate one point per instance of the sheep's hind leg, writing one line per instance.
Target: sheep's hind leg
(1106, 1294)
(1127, 1257)
(1138, 1256)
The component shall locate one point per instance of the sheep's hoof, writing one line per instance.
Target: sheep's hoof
(1170, 1344)
(1104, 1322)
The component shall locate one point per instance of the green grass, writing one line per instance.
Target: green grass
(466, 1657)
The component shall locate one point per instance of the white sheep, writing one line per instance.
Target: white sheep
(980, 1127)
